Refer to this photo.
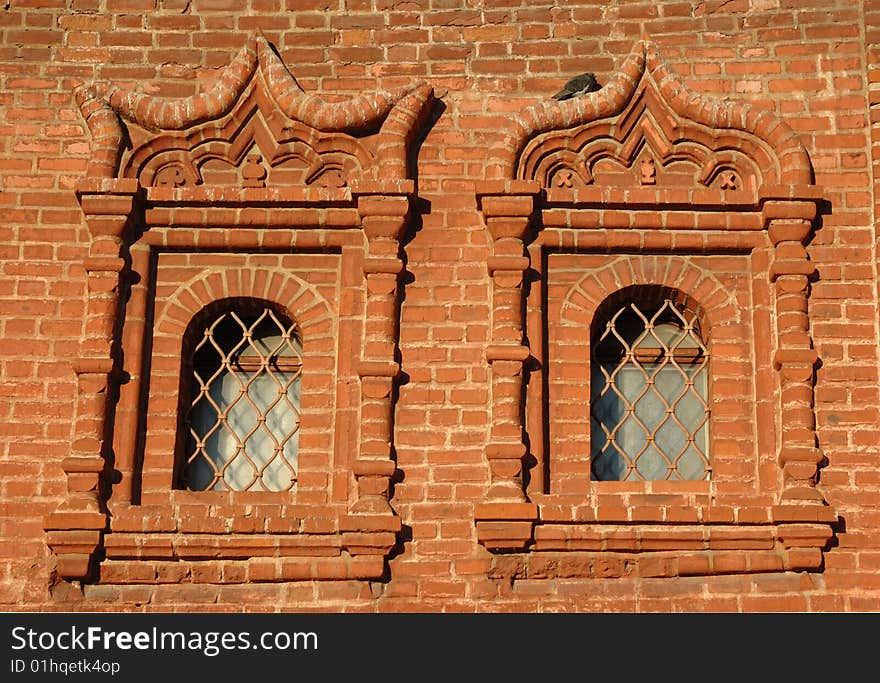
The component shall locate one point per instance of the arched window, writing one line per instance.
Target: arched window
(243, 418)
(649, 409)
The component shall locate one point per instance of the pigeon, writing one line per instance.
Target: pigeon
(579, 85)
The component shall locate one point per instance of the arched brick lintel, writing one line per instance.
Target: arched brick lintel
(716, 305)
(645, 61)
(302, 303)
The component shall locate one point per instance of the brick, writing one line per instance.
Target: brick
(715, 542)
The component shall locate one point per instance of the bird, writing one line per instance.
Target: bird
(579, 85)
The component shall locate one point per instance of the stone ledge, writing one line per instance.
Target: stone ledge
(147, 573)
(551, 566)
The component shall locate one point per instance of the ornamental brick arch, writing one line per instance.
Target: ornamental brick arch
(641, 181)
(301, 300)
(163, 125)
(646, 83)
(715, 305)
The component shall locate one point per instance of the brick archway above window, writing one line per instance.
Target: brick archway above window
(255, 108)
(644, 122)
(647, 183)
(240, 191)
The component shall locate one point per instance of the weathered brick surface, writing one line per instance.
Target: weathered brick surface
(815, 64)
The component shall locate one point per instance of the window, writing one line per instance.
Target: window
(220, 406)
(243, 420)
(601, 451)
(649, 413)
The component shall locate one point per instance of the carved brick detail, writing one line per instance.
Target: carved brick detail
(646, 104)
(257, 165)
(789, 226)
(383, 216)
(507, 210)
(648, 171)
(75, 529)
(254, 103)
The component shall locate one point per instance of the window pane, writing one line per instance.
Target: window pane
(244, 419)
(650, 465)
(692, 465)
(649, 409)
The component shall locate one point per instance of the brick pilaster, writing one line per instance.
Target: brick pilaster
(789, 225)
(76, 527)
(505, 520)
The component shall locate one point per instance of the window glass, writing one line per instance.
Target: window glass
(244, 417)
(648, 409)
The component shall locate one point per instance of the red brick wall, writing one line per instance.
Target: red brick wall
(815, 64)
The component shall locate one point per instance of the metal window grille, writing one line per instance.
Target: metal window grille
(244, 418)
(649, 412)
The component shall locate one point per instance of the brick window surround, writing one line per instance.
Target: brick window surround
(252, 189)
(646, 183)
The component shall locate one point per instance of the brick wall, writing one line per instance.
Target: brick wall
(814, 64)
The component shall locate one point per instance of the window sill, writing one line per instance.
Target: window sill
(707, 538)
(279, 543)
